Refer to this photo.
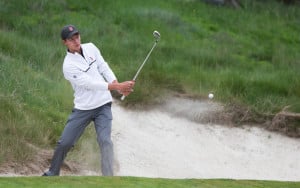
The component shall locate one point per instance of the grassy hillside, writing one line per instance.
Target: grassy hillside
(249, 57)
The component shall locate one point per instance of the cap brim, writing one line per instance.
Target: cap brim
(72, 33)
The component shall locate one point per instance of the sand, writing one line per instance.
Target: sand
(169, 142)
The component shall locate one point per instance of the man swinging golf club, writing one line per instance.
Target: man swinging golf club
(91, 79)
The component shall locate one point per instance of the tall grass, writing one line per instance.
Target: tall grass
(34, 98)
(249, 55)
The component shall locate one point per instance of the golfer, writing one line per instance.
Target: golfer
(91, 79)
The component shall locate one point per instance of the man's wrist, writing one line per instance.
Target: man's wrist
(114, 86)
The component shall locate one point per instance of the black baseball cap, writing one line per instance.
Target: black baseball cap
(68, 31)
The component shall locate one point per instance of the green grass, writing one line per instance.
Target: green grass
(248, 56)
(132, 182)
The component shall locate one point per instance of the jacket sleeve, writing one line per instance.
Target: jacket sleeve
(82, 79)
(103, 67)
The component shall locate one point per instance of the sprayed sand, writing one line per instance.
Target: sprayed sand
(168, 142)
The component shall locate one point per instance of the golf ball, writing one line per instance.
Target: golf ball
(210, 95)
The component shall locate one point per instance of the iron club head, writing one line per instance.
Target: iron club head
(156, 35)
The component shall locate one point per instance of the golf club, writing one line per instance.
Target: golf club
(157, 37)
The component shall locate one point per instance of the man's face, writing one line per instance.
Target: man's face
(73, 43)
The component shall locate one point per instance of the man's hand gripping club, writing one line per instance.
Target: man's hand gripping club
(124, 88)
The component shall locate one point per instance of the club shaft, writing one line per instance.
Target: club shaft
(141, 67)
(147, 57)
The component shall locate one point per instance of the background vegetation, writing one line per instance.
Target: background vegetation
(247, 57)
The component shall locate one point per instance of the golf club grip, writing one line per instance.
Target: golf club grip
(123, 97)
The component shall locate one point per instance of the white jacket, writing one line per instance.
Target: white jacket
(89, 77)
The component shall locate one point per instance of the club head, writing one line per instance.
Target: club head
(156, 35)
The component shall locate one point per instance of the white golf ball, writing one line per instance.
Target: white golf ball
(210, 95)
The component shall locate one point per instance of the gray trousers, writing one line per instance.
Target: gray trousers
(75, 126)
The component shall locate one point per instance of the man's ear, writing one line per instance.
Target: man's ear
(64, 41)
